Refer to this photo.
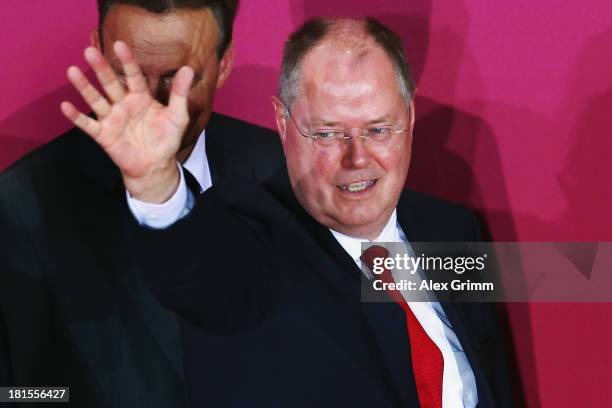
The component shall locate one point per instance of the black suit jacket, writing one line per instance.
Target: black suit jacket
(72, 311)
(272, 305)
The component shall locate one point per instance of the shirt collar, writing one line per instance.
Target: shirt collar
(197, 162)
(353, 245)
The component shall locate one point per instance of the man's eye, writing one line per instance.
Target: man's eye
(327, 134)
(167, 81)
(379, 132)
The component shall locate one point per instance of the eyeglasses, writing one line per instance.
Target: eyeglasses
(378, 135)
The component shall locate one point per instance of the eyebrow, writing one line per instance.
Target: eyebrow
(385, 118)
(319, 122)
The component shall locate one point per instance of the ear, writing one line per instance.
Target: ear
(226, 64)
(281, 118)
(412, 115)
(94, 39)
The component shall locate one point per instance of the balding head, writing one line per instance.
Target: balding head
(350, 41)
(348, 34)
(346, 122)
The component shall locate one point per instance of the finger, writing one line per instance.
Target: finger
(105, 74)
(133, 75)
(94, 99)
(80, 120)
(177, 105)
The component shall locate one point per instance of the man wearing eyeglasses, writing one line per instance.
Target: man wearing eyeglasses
(271, 293)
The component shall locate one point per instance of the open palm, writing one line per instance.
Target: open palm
(139, 134)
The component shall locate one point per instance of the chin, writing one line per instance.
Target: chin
(360, 222)
(362, 213)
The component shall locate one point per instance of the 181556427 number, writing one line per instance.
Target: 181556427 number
(33, 394)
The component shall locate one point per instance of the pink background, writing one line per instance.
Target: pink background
(513, 107)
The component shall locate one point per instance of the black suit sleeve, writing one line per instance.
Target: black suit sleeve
(9, 259)
(23, 303)
(6, 237)
(210, 268)
(5, 364)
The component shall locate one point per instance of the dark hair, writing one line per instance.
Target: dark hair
(314, 30)
(223, 10)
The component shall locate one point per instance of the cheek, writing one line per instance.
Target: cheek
(325, 168)
(300, 163)
(313, 170)
(396, 162)
(327, 165)
(200, 99)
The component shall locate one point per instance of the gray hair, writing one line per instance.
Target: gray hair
(312, 33)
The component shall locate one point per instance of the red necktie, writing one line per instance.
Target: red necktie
(427, 361)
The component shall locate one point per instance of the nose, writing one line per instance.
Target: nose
(356, 154)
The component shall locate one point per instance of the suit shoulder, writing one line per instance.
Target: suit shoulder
(41, 163)
(244, 136)
(435, 219)
(239, 127)
(425, 202)
(235, 196)
(270, 202)
(252, 146)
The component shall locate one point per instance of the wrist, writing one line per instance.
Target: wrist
(155, 188)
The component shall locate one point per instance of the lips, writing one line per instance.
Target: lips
(357, 186)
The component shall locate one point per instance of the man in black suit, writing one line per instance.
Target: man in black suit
(270, 292)
(71, 311)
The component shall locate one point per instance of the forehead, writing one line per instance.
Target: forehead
(349, 80)
(157, 40)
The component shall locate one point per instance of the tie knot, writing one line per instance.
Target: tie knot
(372, 253)
(380, 270)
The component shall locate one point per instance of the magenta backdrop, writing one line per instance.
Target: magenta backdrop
(513, 107)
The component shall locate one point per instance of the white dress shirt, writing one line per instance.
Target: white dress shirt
(163, 215)
(458, 382)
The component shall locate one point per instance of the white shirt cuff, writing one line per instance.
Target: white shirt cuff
(159, 216)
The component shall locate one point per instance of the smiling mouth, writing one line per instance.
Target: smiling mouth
(357, 187)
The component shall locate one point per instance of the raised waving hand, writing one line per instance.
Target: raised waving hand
(140, 135)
